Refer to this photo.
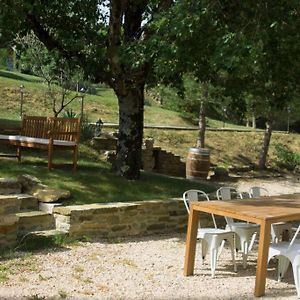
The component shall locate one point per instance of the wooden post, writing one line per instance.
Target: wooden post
(262, 259)
(191, 241)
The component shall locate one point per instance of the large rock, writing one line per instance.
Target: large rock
(30, 183)
(51, 195)
(33, 186)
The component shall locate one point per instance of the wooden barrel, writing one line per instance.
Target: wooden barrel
(197, 163)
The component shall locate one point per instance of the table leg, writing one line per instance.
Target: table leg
(262, 259)
(191, 241)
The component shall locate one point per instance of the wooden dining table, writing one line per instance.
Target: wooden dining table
(263, 211)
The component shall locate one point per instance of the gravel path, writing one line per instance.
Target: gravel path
(140, 268)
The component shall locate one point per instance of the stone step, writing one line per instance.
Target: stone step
(9, 204)
(28, 202)
(43, 239)
(34, 220)
(9, 186)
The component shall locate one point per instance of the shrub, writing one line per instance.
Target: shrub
(69, 113)
(286, 157)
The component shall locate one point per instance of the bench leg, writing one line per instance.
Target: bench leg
(50, 156)
(19, 154)
(75, 158)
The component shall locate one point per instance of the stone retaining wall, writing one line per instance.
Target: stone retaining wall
(154, 159)
(123, 219)
(9, 206)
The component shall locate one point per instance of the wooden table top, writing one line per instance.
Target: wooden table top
(274, 208)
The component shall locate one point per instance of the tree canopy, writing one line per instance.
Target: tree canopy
(240, 45)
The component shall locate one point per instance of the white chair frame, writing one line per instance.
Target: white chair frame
(211, 238)
(277, 229)
(245, 233)
(286, 253)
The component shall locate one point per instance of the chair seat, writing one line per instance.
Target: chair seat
(286, 253)
(245, 233)
(245, 225)
(202, 232)
(281, 248)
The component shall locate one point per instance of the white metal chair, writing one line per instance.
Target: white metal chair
(211, 238)
(288, 252)
(277, 229)
(245, 233)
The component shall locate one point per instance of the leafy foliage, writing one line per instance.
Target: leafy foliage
(238, 45)
(286, 157)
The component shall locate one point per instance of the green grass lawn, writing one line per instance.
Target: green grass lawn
(94, 182)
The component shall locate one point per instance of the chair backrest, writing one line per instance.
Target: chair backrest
(294, 237)
(190, 196)
(257, 191)
(244, 195)
(227, 193)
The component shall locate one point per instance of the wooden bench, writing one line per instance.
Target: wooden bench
(48, 133)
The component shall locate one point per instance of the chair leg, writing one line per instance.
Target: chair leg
(50, 156)
(221, 247)
(237, 242)
(213, 260)
(204, 249)
(296, 272)
(245, 256)
(75, 158)
(244, 250)
(252, 241)
(231, 244)
(283, 264)
(19, 154)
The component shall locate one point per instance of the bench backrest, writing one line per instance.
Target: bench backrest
(67, 129)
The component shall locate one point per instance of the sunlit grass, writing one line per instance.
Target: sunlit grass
(94, 182)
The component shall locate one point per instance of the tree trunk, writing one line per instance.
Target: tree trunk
(253, 122)
(202, 127)
(130, 137)
(247, 122)
(266, 143)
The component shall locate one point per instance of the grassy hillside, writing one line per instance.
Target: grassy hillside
(228, 148)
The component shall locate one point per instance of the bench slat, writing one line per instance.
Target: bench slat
(47, 133)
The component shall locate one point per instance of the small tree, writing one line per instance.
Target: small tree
(60, 78)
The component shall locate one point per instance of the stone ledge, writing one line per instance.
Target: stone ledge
(123, 218)
(67, 210)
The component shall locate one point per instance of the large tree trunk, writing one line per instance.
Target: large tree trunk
(253, 121)
(266, 143)
(130, 138)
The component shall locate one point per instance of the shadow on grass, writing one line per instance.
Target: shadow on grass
(94, 182)
(15, 76)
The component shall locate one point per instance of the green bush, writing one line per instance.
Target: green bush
(87, 131)
(69, 113)
(286, 157)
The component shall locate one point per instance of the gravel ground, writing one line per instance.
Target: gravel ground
(139, 268)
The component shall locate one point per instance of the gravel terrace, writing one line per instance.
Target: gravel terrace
(139, 268)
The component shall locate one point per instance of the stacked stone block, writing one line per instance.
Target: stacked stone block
(148, 161)
(168, 163)
(122, 219)
(9, 206)
(154, 159)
